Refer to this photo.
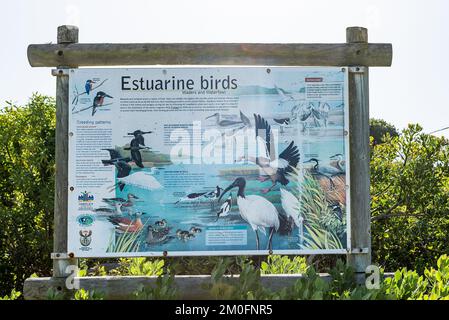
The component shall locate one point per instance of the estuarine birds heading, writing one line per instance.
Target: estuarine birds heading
(276, 168)
(340, 161)
(99, 100)
(290, 204)
(225, 208)
(140, 179)
(127, 225)
(326, 171)
(256, 210)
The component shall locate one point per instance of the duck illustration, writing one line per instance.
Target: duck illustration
(195, 230)
(156, 236)
(127, 225)
(161, 224)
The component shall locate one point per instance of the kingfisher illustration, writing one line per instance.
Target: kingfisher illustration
(99, 100)
(88, 86)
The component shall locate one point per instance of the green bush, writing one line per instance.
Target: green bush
(26, 190)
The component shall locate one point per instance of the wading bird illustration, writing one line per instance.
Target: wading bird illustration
(341, 164)
(245, 120)
(275, 168)
(326, 171)
(99, 100)
(256, 210)
(226, 124)
(290, 204)
(88, 86)
(285, 97)
(225, 208)
(284, 122)
(127, 225)
(209, 195)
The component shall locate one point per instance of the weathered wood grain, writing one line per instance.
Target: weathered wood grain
(65, 35)
(123, 287)
(112, 54)
(359, 160)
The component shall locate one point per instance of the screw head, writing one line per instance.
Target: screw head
(268, 70)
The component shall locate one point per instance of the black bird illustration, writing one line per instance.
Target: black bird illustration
(115, 157)
(99, 100)
(283, 121)
(137, 144)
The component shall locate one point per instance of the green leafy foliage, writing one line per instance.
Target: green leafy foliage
(409, 200)
(26, 190)
(276, 264)
(163, 290)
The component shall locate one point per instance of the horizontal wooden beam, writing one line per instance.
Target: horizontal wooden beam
(107, 54)
(189, 287)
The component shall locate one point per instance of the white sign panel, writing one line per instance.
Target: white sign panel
(208, 161)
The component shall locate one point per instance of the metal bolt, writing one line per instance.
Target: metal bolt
(165, 253)
(71, 255)
(345, 132)
(60, 52)
(270, 252)
(268, 70)
(70, 134)
(343, 69)
(72, 188)
(357, 69)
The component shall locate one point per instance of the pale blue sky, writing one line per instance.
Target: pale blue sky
(414, 89)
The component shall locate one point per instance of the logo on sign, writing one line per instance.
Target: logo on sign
(85, 238)
(85, 197)
(85, 220)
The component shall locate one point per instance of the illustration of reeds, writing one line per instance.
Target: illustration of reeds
(125, 242)
(323, 228)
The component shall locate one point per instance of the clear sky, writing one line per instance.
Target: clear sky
(414, 90)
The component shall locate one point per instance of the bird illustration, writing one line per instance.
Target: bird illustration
(195, 230)
(282, 123)
(125, 203)
(275, 168)
(88, 86)
(156, 236)
(340, 162)
(285, 97)
(225, 124)
(209, 195)
(225, 208)
(127, 225)
(256, 210)
(326, 171)
(138, 135)
(245, 120)
(99, 100)
(115, 157)
(139, 179)
(184, 235)
(161, 223)
(290, 204)
(116, 210)
(137, 144)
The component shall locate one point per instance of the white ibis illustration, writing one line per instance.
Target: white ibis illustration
(256, 210)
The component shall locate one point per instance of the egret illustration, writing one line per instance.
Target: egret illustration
(256, 210)
(275, 168)
(99, 100)
(290, 204)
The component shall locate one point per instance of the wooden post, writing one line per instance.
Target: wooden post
(66, 35)
(360, 256)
